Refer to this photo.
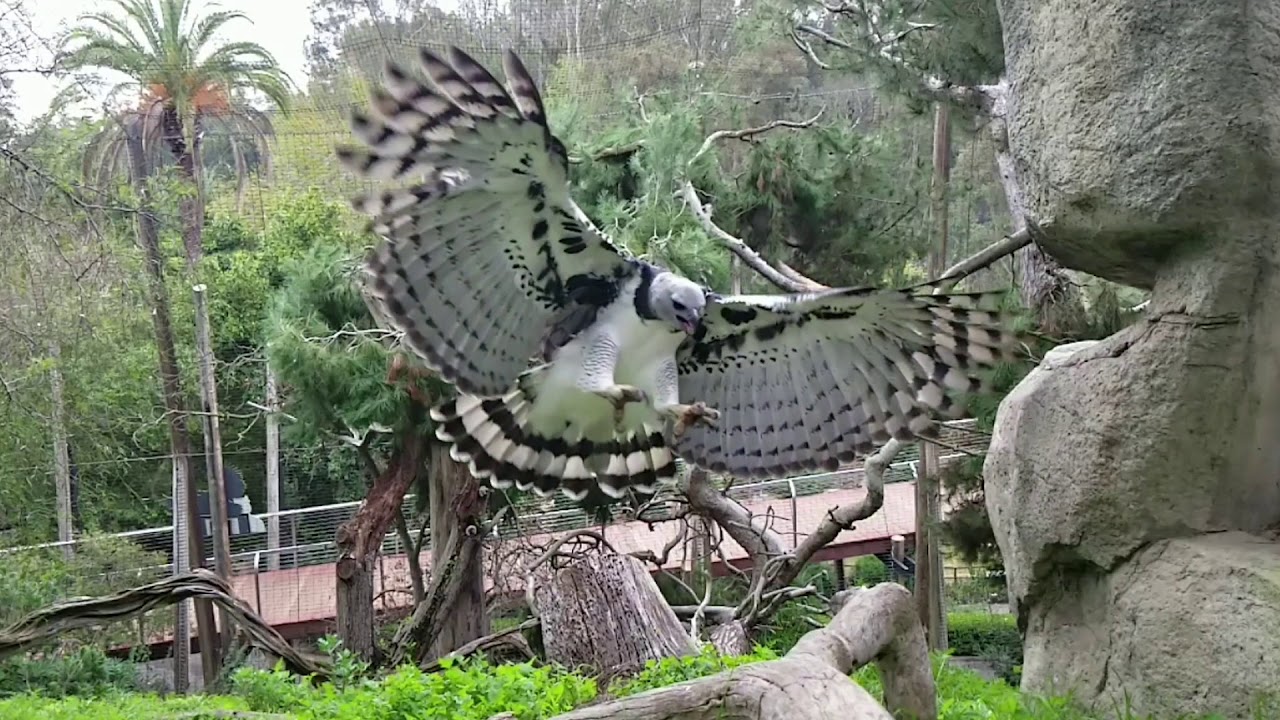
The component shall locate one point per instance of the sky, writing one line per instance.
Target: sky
(280, 26)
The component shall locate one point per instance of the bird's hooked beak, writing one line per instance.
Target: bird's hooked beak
(690, 325)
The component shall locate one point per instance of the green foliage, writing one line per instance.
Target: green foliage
(991, 636)
(119, 707)
(869, 570)
(85, 672)
(475, 690)
(31, 579)
(467, 690)
(325, 345)
(669, 671)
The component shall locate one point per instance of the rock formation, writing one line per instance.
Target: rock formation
(1134, 483)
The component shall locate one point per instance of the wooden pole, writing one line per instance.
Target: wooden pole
(181, 566)
(213, 451)
(61, 455)
(273, 472)
(928, 589)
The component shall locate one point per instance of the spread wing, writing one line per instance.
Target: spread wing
(806, 382)
(483, 250)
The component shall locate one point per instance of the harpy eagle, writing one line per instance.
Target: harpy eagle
(579, 365)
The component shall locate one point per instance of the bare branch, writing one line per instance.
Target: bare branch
(736, 246)
(747, 133)
(807, 49)
(981, 97)
(83, 613)
(509, 637)
(984, 257)
(840, 518)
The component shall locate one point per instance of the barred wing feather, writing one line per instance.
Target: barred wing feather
(477, 253)
(805, 382)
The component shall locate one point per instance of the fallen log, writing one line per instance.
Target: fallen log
(812, 681)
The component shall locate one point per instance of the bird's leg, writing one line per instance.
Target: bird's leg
(599, 359)
(686, 415)
(620, 395)
(668, 401)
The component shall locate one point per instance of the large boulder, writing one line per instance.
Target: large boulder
(1137, 126)
(1195, 620)
(1145, 133)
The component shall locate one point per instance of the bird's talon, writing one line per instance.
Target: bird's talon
(696, 413)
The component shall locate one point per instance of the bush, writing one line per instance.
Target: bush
(869, 570)
(973, 633)
(85, 672)
(474, 690)
(31, 579)
(467, 690)
(992, 637)
(669, 671)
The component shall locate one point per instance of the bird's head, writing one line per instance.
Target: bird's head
(677, 301)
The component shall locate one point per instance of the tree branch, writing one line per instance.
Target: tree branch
(746, 133)
(789, 281)
(750, 257)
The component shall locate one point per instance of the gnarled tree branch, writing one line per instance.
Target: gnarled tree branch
(876, 625)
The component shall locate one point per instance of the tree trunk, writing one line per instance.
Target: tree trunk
(185, 155)
(170, 381)
(452, 612)
(812, 681)
(360, 538)
(731, 639)
(928, 586)
(216, 484)
(456, 502)
(605, 612)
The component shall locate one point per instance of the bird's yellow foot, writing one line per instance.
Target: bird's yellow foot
(620, 396)
(686, 415)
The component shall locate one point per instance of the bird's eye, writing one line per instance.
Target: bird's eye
(677, 305)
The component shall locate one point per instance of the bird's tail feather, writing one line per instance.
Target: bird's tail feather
(494, 438)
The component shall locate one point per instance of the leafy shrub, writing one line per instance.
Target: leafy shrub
(992, 637)
(474, 691)
(87, 672)
(33, 578)
(869, 570)
(467, 690)
(973, 633)
(669, 671)
(119, 707)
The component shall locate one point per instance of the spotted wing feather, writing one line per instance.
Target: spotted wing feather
(478, 249)
(809, 381)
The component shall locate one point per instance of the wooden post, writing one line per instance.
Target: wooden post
(928, 589)
(213, 452)
(842, 583)
(61, 456)
(273, 472)
(181, 566)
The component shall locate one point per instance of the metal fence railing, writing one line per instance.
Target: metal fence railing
(307, 534)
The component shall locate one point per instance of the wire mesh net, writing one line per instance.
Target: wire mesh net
(604, 67)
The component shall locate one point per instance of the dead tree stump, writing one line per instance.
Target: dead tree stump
(604, 612)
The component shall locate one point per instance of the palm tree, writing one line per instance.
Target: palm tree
(184, 83)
